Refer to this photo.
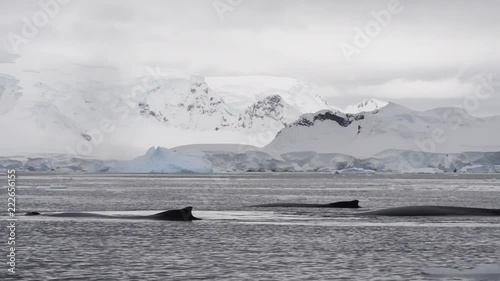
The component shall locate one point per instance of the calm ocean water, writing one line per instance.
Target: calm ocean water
(237, 242)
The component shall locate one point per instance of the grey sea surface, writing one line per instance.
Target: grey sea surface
(238, 242)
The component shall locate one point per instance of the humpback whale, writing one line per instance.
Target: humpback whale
(433, 211)
(341, 204)
(170, 215)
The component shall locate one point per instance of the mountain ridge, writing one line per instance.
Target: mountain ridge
(391, 127)
(182, 109)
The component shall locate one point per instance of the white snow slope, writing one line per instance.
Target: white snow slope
(240, 91)
(122, 118)
(365, 106)
(363, 135)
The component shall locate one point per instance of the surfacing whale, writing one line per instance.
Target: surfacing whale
(170, 215)
(433, 211)
(341, 204)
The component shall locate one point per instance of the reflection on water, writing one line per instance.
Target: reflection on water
(237, 242)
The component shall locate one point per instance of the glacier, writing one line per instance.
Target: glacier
(236, 158)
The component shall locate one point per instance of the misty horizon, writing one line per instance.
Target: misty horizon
(351, 51)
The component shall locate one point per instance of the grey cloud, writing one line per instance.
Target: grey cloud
(427, 43)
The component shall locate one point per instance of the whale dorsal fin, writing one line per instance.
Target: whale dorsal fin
(183, 214)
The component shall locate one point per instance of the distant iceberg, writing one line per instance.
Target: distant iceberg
(164, 160)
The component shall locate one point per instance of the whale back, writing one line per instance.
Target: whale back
(345, 204)
(170, 215)
(176, 215)
(340, 204)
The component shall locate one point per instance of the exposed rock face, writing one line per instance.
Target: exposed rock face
(270, 113)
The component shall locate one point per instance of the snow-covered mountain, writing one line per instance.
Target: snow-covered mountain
(241, 91)
(122, 118)
(271, 113)
(442, 130)
(265, 104)
(113, 118)
(170, 109)
(366, 105)
(186, 103)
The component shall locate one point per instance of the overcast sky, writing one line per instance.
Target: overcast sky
(427, 55)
